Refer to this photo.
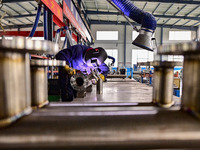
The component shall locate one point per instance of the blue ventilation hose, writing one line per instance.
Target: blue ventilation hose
(147, 20)
(36, 21)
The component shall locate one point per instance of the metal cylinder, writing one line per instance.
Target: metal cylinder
(80, 82)
(99, 89)
(39, 81)
(15, 97)
(13, 88)
(191, 83)
(163, 84)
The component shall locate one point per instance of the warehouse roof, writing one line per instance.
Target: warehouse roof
(182, 14)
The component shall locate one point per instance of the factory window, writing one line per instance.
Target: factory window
(140, 55)
(134, 35)
(179, 35)
(62, 38)
(113, 53)
(37, 38)
(175, 58)
(7, 38)
(107, 35)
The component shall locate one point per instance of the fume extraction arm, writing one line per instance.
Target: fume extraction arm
(147, 21)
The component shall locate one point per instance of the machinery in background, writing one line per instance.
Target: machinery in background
(118, 73)
(144, 73)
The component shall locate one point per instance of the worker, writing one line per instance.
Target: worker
(82, 58)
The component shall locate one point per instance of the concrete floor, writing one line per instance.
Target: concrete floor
(122, 118)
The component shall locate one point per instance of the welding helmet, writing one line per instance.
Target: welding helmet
(95, 56)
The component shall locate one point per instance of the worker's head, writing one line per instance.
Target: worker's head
(95, 56)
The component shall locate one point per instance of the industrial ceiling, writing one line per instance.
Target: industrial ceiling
(182, 14)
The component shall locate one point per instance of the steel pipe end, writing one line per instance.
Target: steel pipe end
(166, 105)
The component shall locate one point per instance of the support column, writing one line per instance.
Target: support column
(50, 25)
(125, 45)
(163, 83)
(198, 33)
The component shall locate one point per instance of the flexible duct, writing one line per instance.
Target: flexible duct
(36, 21)
(147, 21)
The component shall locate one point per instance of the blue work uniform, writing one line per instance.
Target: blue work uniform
(74, 57)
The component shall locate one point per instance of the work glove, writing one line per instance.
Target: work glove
(102, 77)
(71, 71)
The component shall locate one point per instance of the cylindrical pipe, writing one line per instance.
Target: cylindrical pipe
(13, 87)
(39, 86)
(65, 41)
(27, 80)
(36, 21)
(163, 85)
(57, 36)
(191, 83)
(80, 82)
(45, 23)
(99, 86)
(39, 81)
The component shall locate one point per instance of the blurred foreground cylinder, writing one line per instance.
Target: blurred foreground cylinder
(15, 84)
(191, 83)
(39, 81)
(163, 83)
(99, 88)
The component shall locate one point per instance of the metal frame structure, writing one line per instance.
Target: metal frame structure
(185, 17)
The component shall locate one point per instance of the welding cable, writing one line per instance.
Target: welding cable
(45, 23)
(147, 20)
(36, 20)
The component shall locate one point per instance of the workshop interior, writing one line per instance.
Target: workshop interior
(100, 74)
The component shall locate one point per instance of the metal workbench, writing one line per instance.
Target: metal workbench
(122, 118)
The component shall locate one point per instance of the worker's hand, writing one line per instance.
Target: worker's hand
(71, 71)
(102, 77)
(112, 64)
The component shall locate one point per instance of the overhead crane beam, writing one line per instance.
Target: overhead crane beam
(14, 1)
(160, 16)
(193, 28)
(171, 1)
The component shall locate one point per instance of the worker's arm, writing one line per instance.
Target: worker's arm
(113, 60)
(64, 55)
